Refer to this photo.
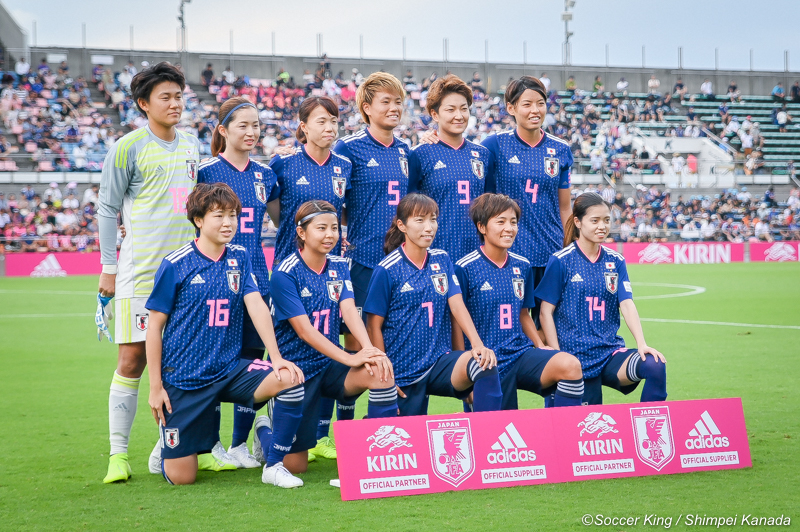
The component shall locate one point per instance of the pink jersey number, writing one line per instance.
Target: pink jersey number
(247, 216)
(429, 306)
(505, 316)
(533, 190)
(463, 188)
(179, 195)
(595, 305)
(394, 191)
(325, 314)
(217, 314)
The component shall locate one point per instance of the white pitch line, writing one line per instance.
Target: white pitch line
(693, 290)
(49, 292)
(729, 324)
(31, 316)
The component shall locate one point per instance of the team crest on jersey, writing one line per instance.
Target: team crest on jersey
(450, 443)
(258, 175)
(234, 280)
(653, 433)
(611, 281)
(261, 191)
(172, 438)
(477, 167)
(440, 283)
(141, 321)
(404, 166)
(551, 166)
(338, 186)
(519, 287)
(191, 169)
(334, 290)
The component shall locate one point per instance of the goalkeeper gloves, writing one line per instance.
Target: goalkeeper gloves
(101, 317)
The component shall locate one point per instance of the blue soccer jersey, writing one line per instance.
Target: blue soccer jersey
(494, 295)
(453, 177)
(532, 175)
(378, 182)
(255, 186)
(586, 295)
(298, 290)
(204, 298)
(413, 304)
(303, 179)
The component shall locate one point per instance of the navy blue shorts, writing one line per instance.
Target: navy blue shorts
(250, 337)
(438, 381)
(328, 383)
(360, 276)
(526, 374)
(191, 427)
(593, 388)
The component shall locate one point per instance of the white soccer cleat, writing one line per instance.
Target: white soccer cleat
(277, 475)
(154, 462)
(219, 452)
(261, 421)
(242, 454)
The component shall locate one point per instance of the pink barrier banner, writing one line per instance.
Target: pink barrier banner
(774, 252)
(62, 264)
(683, 253)
(428, 454)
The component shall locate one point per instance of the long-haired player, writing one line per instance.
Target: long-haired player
(584, 290)
(411, 296)
(497, 286)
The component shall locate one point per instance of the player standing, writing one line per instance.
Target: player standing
(452, 171)
(198, 302)
(411, 296)
(255, 185)
(312, 294)
(497, 287)
(147, 176)
(584, 289)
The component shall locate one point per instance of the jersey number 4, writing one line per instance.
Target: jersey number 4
(533, 190)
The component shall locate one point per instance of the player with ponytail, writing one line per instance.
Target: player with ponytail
(584, 290)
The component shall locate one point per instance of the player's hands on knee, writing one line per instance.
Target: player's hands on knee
(385, 369)
(429, 137)
(107, 285)
(295, 372)
(158, 401)
(485, 357)
(367, 357)
(645, 350)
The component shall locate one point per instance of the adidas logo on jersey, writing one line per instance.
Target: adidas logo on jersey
(510, 447)
(197, 279)
(305, 292)
(372, 163)
(407, 288)
(706, 434)
(439, 165)
(514, 160)
(576, 278)
(486, 286)
(302, 181)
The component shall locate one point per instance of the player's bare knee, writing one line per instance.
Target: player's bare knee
(131, 363)
(570, 367)
(178, 475)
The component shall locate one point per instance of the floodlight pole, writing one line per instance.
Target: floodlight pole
(566, 16)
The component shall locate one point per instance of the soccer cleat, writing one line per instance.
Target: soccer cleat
(325, 448)
(118, 468)
(311, 456)
(154, 462)
(277, 475)
(258, 452)
(243, 456)
(207, 462)
(219, 452)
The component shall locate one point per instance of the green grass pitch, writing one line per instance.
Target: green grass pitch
(54, 379)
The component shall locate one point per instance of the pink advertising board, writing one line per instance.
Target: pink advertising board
(774, 252)
(682, 252)
(62, 264)
(430, 454)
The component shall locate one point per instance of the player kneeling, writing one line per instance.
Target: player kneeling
(411, 295)
(198, 302)
(584, 289)
(497, 286)
(311, 295)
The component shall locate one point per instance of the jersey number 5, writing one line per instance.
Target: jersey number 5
(394, 191)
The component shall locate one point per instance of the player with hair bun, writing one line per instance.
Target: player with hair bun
(412, 294)
(312, 294)
(497, 286)
(452, 171)
(584, 290)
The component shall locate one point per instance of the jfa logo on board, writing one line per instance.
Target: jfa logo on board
(451, 449)
(652, 430)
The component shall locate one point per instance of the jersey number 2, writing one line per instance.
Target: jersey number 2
(247, 216)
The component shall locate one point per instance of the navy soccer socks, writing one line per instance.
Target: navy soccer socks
(568, 393)
(382, 403)
(487, 395)
(243, 417)
(652, 372)
(286, 417)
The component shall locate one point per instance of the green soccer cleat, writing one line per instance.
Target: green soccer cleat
(325, 448)
(119, 470)
(311, 456)
(207, 462)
